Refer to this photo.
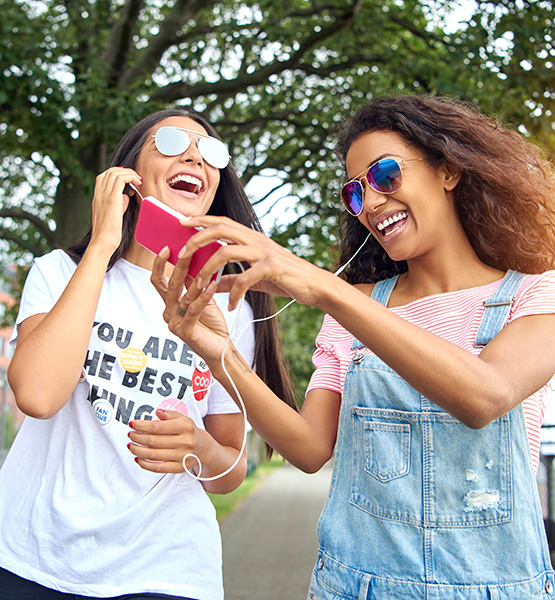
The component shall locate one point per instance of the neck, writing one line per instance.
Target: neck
(457, 270)
(140, 256)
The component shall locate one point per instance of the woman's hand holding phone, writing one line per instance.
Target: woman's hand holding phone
(193, 316)
(273, 269)
(159, 226)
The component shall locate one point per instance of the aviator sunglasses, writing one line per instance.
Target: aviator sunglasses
(384, 176)
(172, 141)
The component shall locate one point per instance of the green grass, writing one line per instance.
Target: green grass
(225, 503)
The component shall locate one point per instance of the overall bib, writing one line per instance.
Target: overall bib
(420, 505)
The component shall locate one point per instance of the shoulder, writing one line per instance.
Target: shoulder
(333, 337)
(536, 295)
(537, 284)
(365, 288)
(57, 260)
(52, 268)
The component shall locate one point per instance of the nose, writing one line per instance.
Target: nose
(372, 199)
(192, 154)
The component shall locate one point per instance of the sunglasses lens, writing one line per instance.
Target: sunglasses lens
(214, 152)
(385, 176)
(171, 141)
(352, 196)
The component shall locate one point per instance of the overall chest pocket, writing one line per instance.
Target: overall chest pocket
(386, 449)
(386, 479)
(430, 469)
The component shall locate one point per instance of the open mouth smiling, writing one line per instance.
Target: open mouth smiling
(186, 183)
(392, 223)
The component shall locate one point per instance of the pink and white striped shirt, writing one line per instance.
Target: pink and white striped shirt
(454, 316)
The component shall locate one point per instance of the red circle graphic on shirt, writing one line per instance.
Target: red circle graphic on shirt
(201, 381)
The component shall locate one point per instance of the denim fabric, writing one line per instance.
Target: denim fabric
(423, 507)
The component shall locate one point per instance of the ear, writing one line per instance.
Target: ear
(451, 176)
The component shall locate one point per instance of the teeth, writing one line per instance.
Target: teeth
(195, 181)
(390, 220)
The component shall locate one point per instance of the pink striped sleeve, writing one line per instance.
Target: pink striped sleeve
(536, 296)
(328, 364)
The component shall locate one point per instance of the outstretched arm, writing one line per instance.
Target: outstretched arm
(305, 439)
(475, 389)
(51, 347)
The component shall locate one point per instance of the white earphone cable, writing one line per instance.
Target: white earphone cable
(197, 476)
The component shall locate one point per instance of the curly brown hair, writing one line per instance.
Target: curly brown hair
(505, 198)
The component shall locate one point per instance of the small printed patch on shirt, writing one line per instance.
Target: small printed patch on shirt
(133, 360)
(103, 411)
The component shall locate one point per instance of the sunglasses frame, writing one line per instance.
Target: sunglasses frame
(364, 176)
(199, 137)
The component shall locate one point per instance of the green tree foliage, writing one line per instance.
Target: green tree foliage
(277, 77)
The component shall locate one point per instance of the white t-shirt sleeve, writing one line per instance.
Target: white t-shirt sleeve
(45, 283)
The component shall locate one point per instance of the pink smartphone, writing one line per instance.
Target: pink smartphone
(158, 226)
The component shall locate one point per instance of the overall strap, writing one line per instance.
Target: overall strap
(382, 290)
(497, 308)
(381, 293)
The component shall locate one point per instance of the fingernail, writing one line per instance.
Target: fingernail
(182, 252)
(137, 459)
(129, 445)
(131, 424)
(200, 284)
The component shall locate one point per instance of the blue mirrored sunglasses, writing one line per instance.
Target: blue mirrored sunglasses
(384, 176)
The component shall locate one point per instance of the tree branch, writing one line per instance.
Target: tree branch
(150, 57)
(17, 213)
(268, 194)
(346, 64)
(121, 38)
(175, 91)
(419, 33)
(26, 244)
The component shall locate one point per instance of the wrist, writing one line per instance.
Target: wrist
(331, 291)
(234, 364)
(99, 252)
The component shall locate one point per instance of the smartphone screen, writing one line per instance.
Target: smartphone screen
(158, 226)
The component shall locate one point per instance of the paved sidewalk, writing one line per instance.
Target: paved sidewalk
(269, 541)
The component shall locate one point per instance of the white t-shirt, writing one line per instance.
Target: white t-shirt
(77, 514)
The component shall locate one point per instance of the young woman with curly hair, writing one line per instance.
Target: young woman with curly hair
(432, 363)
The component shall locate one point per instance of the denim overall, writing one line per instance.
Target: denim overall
(420, 505)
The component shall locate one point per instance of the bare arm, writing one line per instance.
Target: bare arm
(306, 439)
(52, 346)
(475, 389)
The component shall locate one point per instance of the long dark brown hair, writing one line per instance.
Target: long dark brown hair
(231, 201)
(505, 197)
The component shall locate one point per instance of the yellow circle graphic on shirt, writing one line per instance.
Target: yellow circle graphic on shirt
(132, 360)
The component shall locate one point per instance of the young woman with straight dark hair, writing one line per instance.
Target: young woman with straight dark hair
(94, 501)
